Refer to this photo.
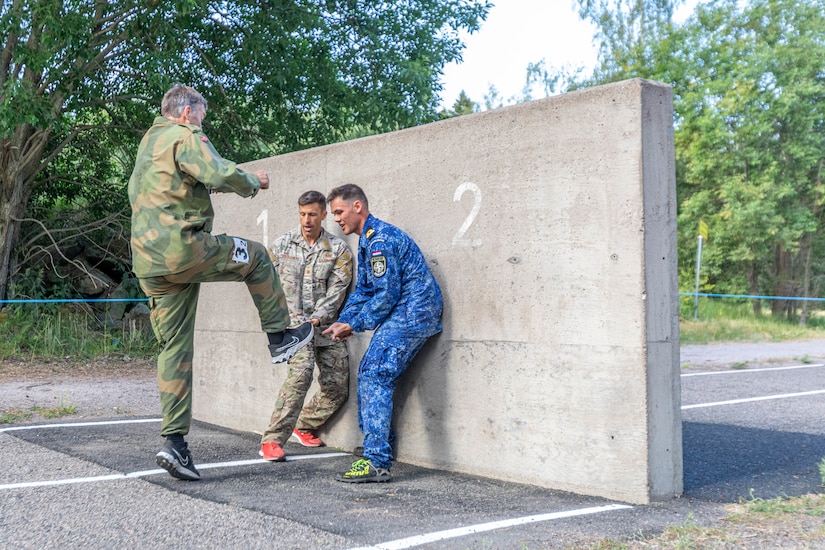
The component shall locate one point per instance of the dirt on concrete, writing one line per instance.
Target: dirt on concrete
(102, 387)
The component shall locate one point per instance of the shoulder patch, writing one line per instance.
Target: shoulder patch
(378, 262)
(370, 232)
(204, 139)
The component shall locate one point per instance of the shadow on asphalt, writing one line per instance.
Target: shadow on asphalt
(726, 463)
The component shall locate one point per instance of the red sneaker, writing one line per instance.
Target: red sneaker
(272, 451)
(307, 439)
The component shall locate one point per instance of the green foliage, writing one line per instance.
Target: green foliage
(462, 106)
(731, 320)
(749, 102)
(29, 332)
(81, 80)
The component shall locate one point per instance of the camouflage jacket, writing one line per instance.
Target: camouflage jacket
(316, 279)
(394, 287)
(175, 170)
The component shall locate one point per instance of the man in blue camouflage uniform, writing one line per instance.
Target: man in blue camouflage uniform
(174, 251)
(397, 296)
(315, 268)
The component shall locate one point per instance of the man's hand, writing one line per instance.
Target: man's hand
(338, 331)
(263, 177)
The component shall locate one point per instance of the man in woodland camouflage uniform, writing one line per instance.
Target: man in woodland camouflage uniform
(173, 252)
(395, 295)
(315, 269)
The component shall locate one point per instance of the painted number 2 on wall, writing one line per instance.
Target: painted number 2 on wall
(459, 238)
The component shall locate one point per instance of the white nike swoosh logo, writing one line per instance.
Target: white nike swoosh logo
(294, 340)
(183, 461)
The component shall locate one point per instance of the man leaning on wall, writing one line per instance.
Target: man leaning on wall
(395, 295)
(315, 268)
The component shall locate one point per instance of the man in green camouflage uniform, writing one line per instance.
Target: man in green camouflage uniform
(173, 252)
(315, 269)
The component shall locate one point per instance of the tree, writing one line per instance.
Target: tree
(462, 106)
(749, 113)
(627, 30)
(80, 81)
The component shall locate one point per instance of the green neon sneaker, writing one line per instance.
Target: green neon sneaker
(363, 471)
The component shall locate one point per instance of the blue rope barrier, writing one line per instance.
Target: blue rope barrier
(797, 298)
(65, 300)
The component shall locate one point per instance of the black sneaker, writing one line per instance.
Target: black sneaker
(177, 460)
(294, 340)
(362, 471)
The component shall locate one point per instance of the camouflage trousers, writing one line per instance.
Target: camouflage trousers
(387, 357)
(173, 300)
(333, 379)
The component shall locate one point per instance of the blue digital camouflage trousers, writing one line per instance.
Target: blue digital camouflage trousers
(173, 300)
(387, 357)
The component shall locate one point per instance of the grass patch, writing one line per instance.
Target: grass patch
(732, 321)
(55, 412)
(811, 505)
(822, 471)
(756, 523)
(10, 416)
(37, 333)
(687, 535)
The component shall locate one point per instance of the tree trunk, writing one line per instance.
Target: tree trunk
(752, 274)
(806, 284)
(20, 161)
(783, 277)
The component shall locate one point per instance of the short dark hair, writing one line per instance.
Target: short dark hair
(178, 97)
(349, 192)
(313, 197)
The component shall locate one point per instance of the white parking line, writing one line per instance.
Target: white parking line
(144, 473)
(739, 371)
(418, 540)
(78, 424)
(751, 399)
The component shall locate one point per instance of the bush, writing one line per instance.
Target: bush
(29, 331)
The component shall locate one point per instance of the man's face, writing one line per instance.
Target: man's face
(347, 215)
(311, 217)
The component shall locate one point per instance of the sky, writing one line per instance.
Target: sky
(515, 34)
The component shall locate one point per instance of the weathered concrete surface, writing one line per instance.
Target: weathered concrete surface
(551, 228)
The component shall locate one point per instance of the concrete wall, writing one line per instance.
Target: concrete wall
(551, 228)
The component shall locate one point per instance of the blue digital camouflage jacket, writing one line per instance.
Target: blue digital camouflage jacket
(394, 287)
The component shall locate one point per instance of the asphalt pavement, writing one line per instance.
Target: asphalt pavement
(751, 425)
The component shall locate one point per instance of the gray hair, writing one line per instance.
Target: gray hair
(177, 98)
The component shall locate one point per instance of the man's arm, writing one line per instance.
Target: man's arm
(326, 308)
(197, 157)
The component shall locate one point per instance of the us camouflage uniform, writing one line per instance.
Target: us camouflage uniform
(315, 281)
(397, 296)
(173, 251)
